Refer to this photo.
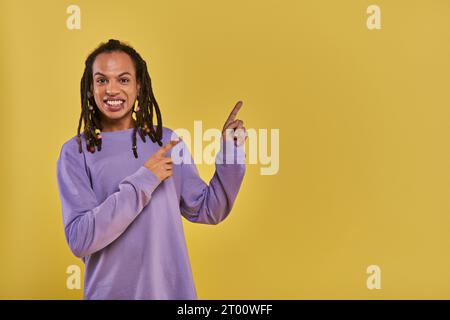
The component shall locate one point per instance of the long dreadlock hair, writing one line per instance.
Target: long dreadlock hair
(90, 114)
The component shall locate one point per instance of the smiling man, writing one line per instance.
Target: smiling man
(122, 208)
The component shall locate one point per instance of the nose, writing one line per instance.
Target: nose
(112, 88)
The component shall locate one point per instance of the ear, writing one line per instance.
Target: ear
(138, 88)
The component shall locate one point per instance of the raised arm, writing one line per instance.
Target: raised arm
(211, 204)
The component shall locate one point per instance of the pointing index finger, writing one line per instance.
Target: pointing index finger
(233, 113)
(165, 148)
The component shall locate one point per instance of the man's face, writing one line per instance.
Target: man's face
(114, 85)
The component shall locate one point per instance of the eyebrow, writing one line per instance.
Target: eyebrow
(101, 74)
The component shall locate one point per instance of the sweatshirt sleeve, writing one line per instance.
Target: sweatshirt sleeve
(210, 204)
(89, 225)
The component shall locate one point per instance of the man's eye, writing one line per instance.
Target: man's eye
(124, 80)
(101, 81)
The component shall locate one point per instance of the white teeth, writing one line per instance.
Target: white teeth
(114, 102)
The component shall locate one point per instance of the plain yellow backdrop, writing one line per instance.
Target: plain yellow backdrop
(363, 116)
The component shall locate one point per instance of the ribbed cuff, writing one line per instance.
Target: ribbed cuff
(145, 180)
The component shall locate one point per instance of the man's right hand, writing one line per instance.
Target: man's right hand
(160, 165)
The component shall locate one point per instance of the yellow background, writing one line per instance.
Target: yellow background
(364, 139)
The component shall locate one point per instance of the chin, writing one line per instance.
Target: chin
(115, 114)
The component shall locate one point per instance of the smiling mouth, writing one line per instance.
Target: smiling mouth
(114, 104)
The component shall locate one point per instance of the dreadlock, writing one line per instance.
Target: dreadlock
(90, 114)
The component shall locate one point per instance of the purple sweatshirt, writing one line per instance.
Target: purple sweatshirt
(126, 225)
